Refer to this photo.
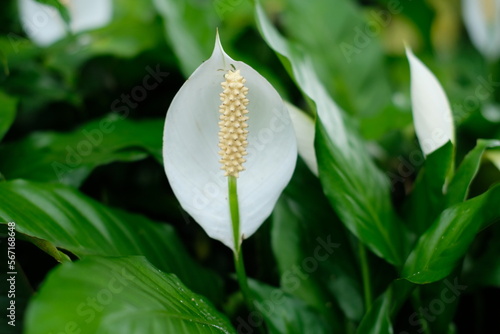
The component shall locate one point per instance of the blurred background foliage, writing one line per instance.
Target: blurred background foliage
(51, 99)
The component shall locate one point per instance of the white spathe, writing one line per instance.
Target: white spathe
(303, 125)
(431, 110)
(44, 25)
(190, 149)
(482, 20)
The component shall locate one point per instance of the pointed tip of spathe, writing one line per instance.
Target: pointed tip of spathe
(408, 50)
(218, 49)
(218, 44)
(217, 37)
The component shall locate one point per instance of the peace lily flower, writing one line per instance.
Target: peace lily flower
(432, 115)
(482, 20)
(44, 25)
(229, 148)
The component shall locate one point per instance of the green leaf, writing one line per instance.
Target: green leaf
(306, 234)
(27, 78)
(359, 192)
(119, 295)
(57, 4)
(190, 29)
(378, 318)
(439, 249)
(133, 30)
(427, 200)
(356, 188)
(8, 109)
(390, 118)
(15, 49)
(64, 218)
(283, 313)
(459, 185)
(70, 157)
(346, 53)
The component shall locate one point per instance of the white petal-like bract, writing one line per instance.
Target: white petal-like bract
(482, 20)
(303, 125)
(190, 149)
(44, 25)
(432, 115)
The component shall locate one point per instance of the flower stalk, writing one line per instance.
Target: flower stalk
(238, 254)
(365, 271)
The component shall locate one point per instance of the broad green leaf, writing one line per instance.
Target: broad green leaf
(66, 219)
(440, 248)
(344, 49)
(133, 30)
(119, 295)
(190, 30)
(390, 118)
(427, 200)
(8, 109)
(16, 49)
(359, 193)
(356, 188)
(25, 77)
(459, 185)
(283, 313)
(120, 38)
(70, 157)
(309, 242)
(378, 318)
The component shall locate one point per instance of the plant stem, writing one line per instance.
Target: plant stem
(365, 271)
(242, 279)
(234, 209)
(417, 305)
(238, 253)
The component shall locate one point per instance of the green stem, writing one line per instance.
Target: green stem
(365, 271)
(417, 305)
(234, 209)
(242, 279)
(238, 253)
